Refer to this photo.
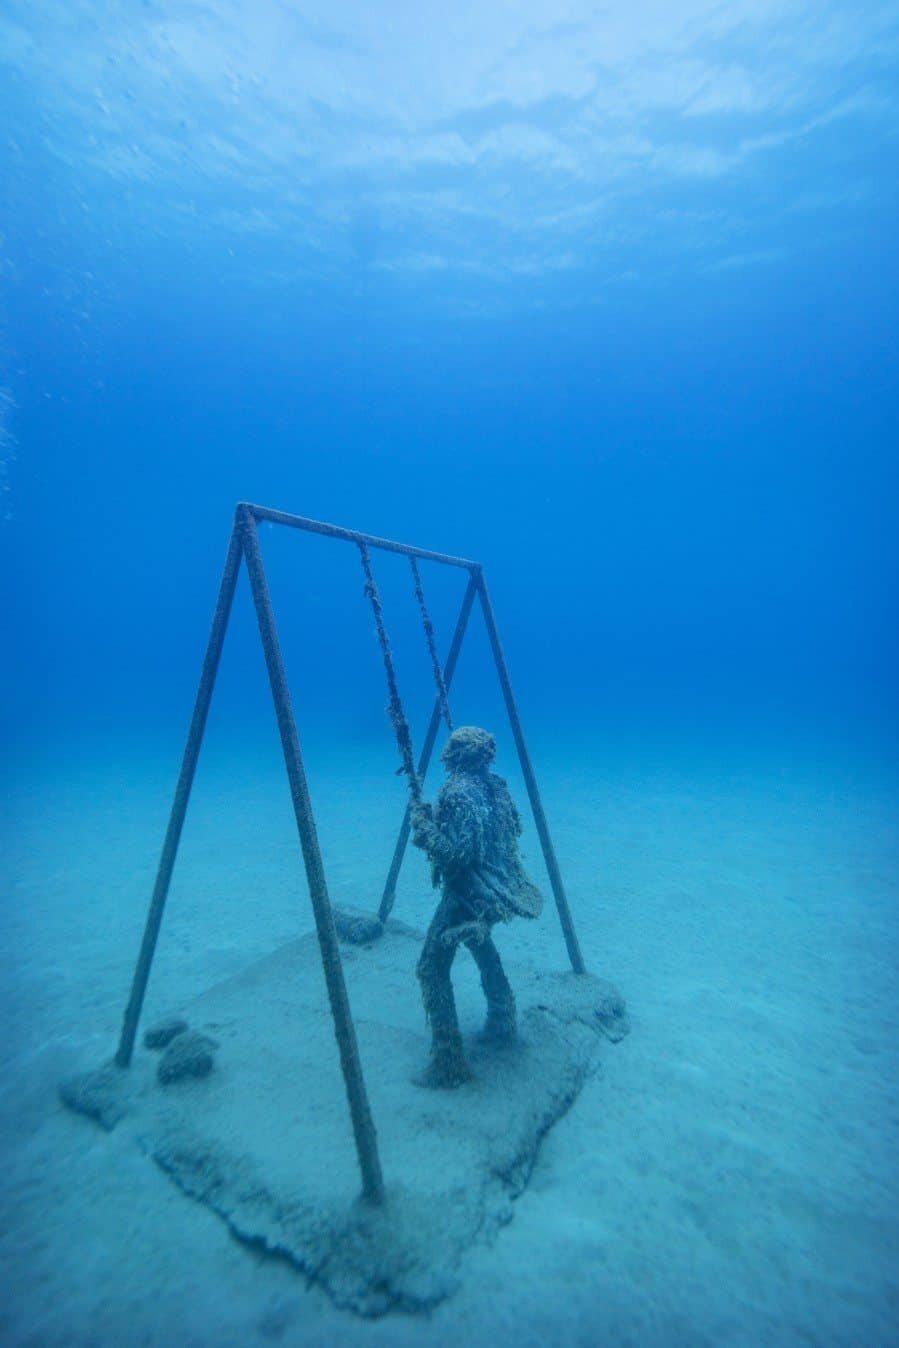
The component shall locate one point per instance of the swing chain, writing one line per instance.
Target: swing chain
(442, 698)
(394, 705)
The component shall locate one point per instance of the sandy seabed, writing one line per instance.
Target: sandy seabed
(729, 1179)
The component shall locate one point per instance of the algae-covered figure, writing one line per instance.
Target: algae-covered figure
(471, 839)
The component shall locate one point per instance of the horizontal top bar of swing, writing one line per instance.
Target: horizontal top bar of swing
(352, 536)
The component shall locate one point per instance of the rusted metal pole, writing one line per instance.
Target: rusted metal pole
(264, 514)
(182, 795)
(530, 781)
(344, 1029)
(388, 898)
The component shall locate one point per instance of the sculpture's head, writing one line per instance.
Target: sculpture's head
(469, 748)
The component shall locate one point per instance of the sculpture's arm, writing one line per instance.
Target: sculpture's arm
(454, 838)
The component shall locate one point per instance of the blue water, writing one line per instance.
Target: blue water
(605, 300)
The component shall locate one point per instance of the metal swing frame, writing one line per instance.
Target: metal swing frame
(244, 544)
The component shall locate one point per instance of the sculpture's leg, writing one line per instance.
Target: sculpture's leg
(500, 1024)
(447, 1066)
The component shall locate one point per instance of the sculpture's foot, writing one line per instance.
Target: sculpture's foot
(445, 1071)
(499, 1028)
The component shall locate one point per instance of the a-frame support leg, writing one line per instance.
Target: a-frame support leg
(389, 895)
(530, 781)
(182, 796)
(244, 541)
(360, 1112)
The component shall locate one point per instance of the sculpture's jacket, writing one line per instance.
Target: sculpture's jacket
(472, 843)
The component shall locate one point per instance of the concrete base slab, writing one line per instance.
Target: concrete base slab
(265, 1139)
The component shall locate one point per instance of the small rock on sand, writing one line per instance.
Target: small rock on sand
(163, 1032)
(188, 1055)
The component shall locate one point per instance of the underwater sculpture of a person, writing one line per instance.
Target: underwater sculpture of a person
(471, 839)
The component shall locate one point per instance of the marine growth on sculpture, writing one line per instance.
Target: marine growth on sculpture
(471, 839)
